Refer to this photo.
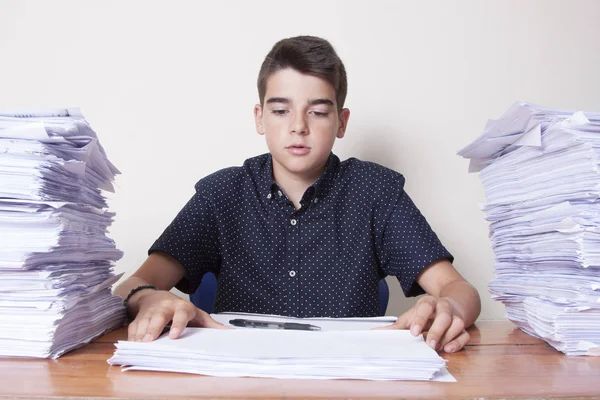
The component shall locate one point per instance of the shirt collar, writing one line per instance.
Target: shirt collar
(320, 188)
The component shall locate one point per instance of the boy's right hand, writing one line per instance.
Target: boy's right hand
(157, 307)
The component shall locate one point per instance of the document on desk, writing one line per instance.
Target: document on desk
(540, 169)
(56, 260)
(325, 324)
(288, 354)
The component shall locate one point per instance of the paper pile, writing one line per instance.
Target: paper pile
(541, 173)
(325, 324)
(55, 258)
(291, 354)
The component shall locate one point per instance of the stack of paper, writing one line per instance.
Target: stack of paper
(541, 172)
(324, 324)
(55, 257)
(327, 354)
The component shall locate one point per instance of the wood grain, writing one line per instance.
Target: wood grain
(499, 362)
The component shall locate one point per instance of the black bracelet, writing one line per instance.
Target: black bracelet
(135, 290)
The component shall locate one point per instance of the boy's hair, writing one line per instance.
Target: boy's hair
(308, 55)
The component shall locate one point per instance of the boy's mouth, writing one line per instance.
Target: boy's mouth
(298, 149)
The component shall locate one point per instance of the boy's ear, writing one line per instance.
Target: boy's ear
(343, 120)
(258, 119)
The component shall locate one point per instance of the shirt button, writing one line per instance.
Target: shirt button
(269, 196)
(292, 273)
(279, 193)
(316, 200)
(293, 222)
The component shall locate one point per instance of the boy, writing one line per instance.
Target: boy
(297, 232)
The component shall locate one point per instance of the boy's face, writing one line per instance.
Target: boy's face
(300, 121)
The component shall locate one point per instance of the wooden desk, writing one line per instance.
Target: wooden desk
(500, 361)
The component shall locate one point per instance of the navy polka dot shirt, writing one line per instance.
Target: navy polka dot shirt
(356, 225)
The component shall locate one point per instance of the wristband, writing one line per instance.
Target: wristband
(135, 290)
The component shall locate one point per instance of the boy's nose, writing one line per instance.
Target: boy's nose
(299, 126)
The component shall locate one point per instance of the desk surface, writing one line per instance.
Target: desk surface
(500, 361)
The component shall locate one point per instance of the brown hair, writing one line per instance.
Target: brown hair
(308, 55)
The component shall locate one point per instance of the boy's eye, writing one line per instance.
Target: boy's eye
(319, 113)
(279, 112)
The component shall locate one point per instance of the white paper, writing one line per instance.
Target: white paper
(362, 354)
(326, 324)
(540, 169)
(56, 259)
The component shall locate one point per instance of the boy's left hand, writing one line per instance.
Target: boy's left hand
(440, 318)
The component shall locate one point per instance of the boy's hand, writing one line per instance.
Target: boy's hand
(440, 317)
(157, 308)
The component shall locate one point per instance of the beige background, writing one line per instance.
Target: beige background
(169, 86)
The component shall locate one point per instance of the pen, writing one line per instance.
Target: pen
(250, 323)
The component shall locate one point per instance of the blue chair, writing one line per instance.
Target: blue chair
(204, 296)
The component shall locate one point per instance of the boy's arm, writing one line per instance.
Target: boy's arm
(452, 304)
(159, 269)
(153, 309)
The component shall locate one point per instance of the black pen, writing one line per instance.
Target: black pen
(251, 323)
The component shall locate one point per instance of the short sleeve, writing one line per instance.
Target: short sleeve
(409, 245)
(192, 239)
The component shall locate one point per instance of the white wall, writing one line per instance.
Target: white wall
(169, 87)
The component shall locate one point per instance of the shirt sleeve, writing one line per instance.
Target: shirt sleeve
(192, 239)
(409, 245)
